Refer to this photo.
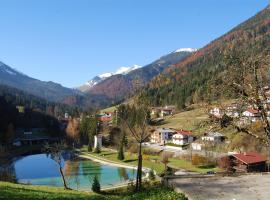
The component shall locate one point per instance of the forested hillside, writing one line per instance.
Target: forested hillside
(199, 77)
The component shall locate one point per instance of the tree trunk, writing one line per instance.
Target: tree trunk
(139, 170)
(63, 178)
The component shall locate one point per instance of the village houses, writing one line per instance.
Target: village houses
(162, 135)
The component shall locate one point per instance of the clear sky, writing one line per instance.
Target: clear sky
(70, 41)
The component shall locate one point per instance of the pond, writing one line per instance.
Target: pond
(40, 169)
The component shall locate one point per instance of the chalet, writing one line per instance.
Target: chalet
(105, 118)
(162, 135)
(215, 137)
(252, 114)
(216, 112)
(248, 162)
(182, 137)
(163, 111)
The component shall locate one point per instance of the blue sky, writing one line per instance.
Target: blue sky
(70, 41)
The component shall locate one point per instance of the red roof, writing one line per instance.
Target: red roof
(184, 132)
(252, 111)
(250, 157)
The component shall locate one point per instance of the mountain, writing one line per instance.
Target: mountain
(47, 90)
(119, 85)
(200, 76)
(97, 79)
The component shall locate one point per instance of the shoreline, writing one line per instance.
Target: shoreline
(112, 163)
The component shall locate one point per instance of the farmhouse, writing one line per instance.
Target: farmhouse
(105, 118)
(162, 135)
(248, 162)
(182, 137)
(163, 111)
(213, 137)
(252, 114)
(216, 112)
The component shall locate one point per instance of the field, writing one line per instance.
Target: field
(188, 120)
(12, 191)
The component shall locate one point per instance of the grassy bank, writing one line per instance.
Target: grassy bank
(12, 191)
(152, 162)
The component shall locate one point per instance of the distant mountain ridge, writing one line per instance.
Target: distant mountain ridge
(47, 90)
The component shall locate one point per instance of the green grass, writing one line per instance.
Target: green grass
(10, 191)
(187, 120)
(152, 162)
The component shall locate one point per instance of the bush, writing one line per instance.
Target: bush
(152, 176)
(96, 185)
(97, 149)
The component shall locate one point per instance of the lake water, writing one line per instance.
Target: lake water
(40, 169)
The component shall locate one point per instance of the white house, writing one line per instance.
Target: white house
(213, 137)
(162, 135)
(163, 111)
(252, 114)
(217, 112)
(182, 137)
(232, 111)
(197, 146)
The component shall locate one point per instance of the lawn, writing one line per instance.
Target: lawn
(12, 191)
(187, 120)
(152, 162)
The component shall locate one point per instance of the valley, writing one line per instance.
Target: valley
(193, 123)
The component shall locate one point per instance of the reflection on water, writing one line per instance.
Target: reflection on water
(41, 170)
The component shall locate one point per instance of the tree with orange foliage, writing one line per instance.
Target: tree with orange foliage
(72, 130)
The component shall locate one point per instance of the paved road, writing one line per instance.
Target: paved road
(245, 187)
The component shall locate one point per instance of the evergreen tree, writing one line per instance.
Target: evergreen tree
(121, 155)
(96, 185)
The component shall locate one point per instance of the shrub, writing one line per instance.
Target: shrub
(97, 149)
(152, 176)
(96, 185)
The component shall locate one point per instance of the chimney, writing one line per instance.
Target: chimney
(245, 153)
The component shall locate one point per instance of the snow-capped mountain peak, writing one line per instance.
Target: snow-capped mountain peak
(185, 49)
(122, 70)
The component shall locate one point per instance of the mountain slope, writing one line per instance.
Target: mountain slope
(119, 86)
(195, 78)
(48, 90)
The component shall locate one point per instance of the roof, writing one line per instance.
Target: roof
(251, 110)
(250, 157)
(184, 132)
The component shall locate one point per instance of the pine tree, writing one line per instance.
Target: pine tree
(121, 155)
(96, 185)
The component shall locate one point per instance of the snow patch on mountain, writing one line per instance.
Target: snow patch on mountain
(185, 50)
(102, 77)
(6, 69)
